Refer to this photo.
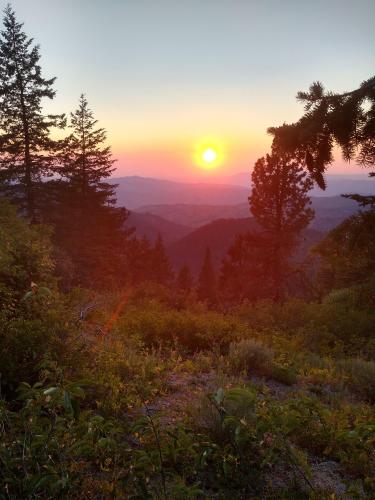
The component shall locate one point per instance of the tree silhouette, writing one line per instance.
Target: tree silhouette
(207, 280)
(184, 280)
(161, 267)
(245, 268)
(279, 201)
(26, 147)
(86, 162)
(347, 253)
(139, 262)
(88, 225)
(347, 120)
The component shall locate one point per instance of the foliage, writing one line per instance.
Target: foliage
(59, 446)
(207, 280)
(325, 327)
(244, 269)
(27, 150)
(348, 253)
(254, 432)
(250, 356)
(192, 330)
(85, 424)
(162, 269)
(25, 256)
(147, 263)
(184, 281)
(88, 227)
(279, 201)
(360, 376)
(28, 312)
(347, 120)
(279, 198)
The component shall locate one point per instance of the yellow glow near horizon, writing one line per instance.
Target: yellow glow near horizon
(209, 153)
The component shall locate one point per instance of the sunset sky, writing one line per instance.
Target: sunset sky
(164, 75)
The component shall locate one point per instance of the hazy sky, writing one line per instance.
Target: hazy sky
(161, 75)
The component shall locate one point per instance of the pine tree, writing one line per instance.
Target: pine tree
(26, 147)
(162, 270)
(244, 270)
(184, 280)
(207, 280)
(88, 225)
(85, 162)
(279, 201)
(347, 254)
(346, 120)
(139, 260)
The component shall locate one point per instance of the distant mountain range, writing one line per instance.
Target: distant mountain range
(329, 212)
(336, 183)
(192, 217)
(197, 215)
(134, 192)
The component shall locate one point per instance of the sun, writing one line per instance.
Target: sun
(209, 153)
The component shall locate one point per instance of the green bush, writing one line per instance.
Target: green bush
(25, 256)
(345, 296)
(284, 375)
(155, 324)
(359, 375)
(329, 327)
(250, 357)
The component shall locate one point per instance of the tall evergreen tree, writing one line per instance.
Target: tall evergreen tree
(25, 144)
(86, 162)
(184, 280)
(88, 225)
(162, 270)
(280, 203)
(207, 280)
(139, 260)
(244, 270)
(347, 253)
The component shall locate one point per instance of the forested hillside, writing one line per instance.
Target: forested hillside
(219, 236)
(151, 226)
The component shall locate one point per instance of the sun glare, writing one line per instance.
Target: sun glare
(209, 153)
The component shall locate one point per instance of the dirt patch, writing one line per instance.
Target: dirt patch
(184, 390)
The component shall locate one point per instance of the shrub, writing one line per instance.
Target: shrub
(360, 376)
(251, 357)
(344, 296)
(25, 256)
(283, 374)
(194, 331)
(337, 326)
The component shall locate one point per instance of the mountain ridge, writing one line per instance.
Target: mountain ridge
(137, 191)
(219, 235)
(329, 212)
